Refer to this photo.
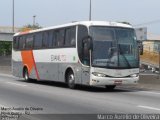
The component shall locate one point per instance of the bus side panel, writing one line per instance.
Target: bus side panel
(76, 67)
(49, 68)
(47, 71)
(17, 68)
(33, 74)
(85, 75)
(17, 65)
(52, 64)
(57, 71)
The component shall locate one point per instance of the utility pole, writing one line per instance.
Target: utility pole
(90, 11)
(34, 20)
(13, 16)
(159, 58)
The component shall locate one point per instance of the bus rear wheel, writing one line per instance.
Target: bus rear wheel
(71, 80)
(110, 87)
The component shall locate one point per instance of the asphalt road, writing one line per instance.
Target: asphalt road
(41, 98)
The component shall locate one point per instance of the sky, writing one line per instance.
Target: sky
(55, 12)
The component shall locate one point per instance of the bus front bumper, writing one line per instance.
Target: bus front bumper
(100, 81)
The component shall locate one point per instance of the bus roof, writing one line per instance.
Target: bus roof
(86, 23)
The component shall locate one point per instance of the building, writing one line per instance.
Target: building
(151, 49)
(6, 33)
(6, 37)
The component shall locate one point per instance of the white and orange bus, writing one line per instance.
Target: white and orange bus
(95, 53)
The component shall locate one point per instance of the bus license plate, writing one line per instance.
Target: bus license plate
(118, 82)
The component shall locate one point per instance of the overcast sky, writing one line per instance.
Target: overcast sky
(53, 12)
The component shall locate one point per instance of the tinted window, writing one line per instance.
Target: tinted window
(38, 40)
(15, 43)
(22, 42)
(29, 42)
(82, 33)
(45, 39)
(102, 33)
(70, 37)
(60, 37)
(54, 39)
(50, 39)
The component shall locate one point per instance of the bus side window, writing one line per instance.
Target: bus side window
(60, 38)
(82, 33)
(50, 39)
(15, 43)
(22, 43)
(38, 40)
(45, 39)
(29, 42)
(86, 56)
(70, 37)
(54, 39)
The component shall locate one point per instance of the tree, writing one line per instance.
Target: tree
(5, 48)
(30, 27)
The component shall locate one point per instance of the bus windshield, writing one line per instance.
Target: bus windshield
(114, 47)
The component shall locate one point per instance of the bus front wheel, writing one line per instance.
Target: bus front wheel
(71, 80)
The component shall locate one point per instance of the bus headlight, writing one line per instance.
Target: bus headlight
(99, 74)
(134, 75)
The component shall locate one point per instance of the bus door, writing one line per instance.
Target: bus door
(86, 64)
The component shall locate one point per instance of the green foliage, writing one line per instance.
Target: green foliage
(30, 27)
(5, 48)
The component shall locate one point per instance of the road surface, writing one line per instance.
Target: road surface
(41, 98)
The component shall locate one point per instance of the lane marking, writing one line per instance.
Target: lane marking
(148, 107)
(16, 84)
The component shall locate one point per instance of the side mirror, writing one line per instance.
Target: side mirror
(88, 42)
(110, 51)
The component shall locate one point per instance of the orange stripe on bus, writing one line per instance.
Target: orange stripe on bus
(38, 78)
(29, 62)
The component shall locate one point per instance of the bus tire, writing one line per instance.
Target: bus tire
(71, 80)
(26, 74)
(110, 87)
